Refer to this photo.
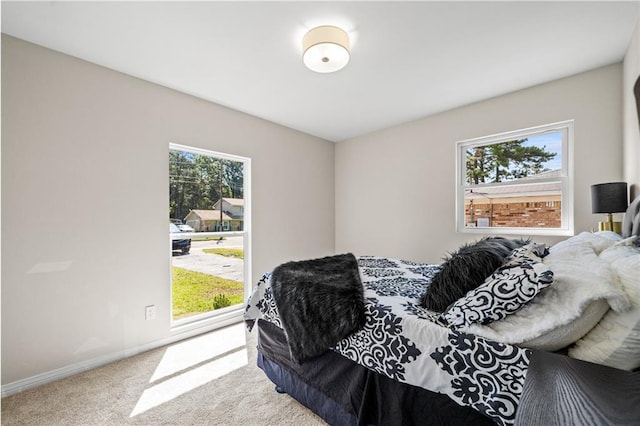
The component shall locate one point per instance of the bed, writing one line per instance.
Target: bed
(551, 336)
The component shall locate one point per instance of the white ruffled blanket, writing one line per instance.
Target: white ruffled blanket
(583, 290)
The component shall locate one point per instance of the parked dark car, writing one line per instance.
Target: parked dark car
(184, 245)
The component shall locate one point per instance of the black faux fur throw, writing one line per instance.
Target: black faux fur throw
(320, 301)
(465, 269)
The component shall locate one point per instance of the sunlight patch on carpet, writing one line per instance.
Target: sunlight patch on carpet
(180, 384)
(184, 355)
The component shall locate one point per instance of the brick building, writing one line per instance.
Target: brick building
(525, 205)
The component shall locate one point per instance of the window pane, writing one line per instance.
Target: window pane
(518, 180)
(514, 206)
(205, 192)
(533, 156)
(209, 278)
(206, 195)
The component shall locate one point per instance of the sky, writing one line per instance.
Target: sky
(552, 142)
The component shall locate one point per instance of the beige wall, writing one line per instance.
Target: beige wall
(395, 188)
(81, 142)
(84, 157)
(631, 132)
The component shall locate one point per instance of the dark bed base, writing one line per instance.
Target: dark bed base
(345, 393)
(558, 391)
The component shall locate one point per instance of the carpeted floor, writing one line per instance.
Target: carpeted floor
(208, 380)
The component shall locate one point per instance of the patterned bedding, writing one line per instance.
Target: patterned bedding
(406, 343)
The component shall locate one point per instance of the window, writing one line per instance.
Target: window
(517, 182)
(209, 233)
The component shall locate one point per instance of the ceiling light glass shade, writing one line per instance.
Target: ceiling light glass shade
(325, 49)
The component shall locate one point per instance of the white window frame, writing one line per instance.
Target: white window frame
(566, 179)
(231, 314)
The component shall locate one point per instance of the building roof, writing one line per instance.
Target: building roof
(208, 214)
(520, 189)
(234, 201)
(548, 174)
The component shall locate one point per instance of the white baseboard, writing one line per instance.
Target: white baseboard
(179, 333)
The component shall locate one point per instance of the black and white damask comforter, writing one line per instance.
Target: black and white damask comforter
(404, 342)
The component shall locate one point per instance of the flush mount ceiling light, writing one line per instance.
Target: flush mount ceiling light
(325, 49)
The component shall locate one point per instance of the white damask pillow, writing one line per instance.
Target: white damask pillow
(505, 292)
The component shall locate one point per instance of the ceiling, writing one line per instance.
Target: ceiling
(408, 59)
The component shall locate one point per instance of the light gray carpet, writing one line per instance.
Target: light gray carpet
(112, 395)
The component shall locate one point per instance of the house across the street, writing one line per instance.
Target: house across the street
(230, 219)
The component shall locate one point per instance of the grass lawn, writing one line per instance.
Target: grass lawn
(196, 293)
(228, 252)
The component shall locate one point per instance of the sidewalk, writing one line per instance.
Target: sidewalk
(221, 266)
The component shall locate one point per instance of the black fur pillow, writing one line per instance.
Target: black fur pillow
(465, 269)
(320, 302)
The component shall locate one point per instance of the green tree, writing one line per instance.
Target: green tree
(505, 161)
(183, 183)
(234, 178)
(475, 165)
(199, 181)
(207, 169)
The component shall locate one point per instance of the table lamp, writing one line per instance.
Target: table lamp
(609, 198)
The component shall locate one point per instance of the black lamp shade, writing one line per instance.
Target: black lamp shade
(609, 197)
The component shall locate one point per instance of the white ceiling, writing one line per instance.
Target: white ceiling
(408, 59)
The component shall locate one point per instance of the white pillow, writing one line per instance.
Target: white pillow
(598, 241)
(566, 334)
(580, 278)
(615, 341)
